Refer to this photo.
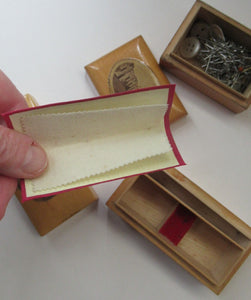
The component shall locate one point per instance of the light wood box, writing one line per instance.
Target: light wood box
(135, 63)
(49, 212)
(190, 72)
(212, 249)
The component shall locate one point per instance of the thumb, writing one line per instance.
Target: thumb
(20, 156)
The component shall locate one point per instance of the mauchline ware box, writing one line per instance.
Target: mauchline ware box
(186, 223)
(189, 70)
(129, 67)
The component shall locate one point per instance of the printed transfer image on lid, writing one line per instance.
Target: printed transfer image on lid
(130, 74)
(129, 67)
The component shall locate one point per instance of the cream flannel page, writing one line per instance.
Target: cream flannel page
(94, 141)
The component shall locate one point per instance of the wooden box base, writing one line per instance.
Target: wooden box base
(217, 242)
(48, 213)
(189, 69)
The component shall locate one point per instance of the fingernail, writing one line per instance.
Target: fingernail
(35, 161)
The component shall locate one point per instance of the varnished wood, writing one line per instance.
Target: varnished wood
(100, 70)
(46, 215)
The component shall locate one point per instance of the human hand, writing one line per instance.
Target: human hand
(20, 156)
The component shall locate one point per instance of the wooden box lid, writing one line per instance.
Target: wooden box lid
(130, 66)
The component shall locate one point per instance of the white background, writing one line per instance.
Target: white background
(44, 46)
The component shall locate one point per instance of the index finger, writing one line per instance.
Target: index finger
(10, 98)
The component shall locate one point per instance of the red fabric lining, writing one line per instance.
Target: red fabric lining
(178, 224)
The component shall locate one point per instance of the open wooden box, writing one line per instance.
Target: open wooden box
(216, 243)
(189, 69)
